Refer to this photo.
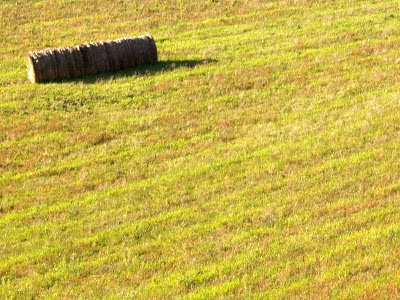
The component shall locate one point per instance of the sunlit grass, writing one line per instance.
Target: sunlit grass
(258, 159)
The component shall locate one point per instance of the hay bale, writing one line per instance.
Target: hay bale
(103, 65)
(87, 58)
(122, 54)
(62, 65)
(130, 51)
(130, 61)
(145, 49)
(113, 59)
(133, 52)
(44, 65)
(98, 58)
(70, 59)
(95, 57)
(152, 48)
(139, 51)
(48, 65)
(80, 69)
(53, 63)
(34, 68)
(91, 58)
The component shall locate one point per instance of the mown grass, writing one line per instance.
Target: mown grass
(258, 159)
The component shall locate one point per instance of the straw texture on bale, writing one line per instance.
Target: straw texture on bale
(91, 58)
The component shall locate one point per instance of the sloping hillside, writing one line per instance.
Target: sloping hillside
(258, 159)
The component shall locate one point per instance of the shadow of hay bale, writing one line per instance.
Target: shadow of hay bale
(141, 70)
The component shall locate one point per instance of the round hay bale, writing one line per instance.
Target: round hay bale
(130, 53)
(68, 62)
(70, 59)
(94, 58)
(80, 69)
(75, 55)
(143, 49)
(122, 54)
(88, 57)
(45, 64)
(139, 51)
(51, 69)
(113, 59)
(84, 48)
(133, 51)
(91, 58)
(104, 57)
(153, 48)
(146, 50)
(53, 63)
(117, 54)
(62, 66)
(34, 67)
(99, 57)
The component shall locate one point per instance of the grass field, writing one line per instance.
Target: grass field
(259, 159)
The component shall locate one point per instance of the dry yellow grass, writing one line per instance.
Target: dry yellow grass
(257, 160)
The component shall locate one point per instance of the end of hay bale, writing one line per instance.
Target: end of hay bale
(33, 67)
(152, 48)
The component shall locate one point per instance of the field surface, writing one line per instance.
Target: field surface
(259, 159)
